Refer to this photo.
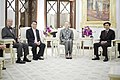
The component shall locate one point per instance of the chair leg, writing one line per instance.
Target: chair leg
(0, 70)
(110, 54)
(76, 52)
(1, 66)
(55, 50)
(101, 53)
(58, 51)
(13, 57)
(3, 63)
(52, 47)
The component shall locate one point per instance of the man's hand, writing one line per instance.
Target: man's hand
(38, 43)
(103, 42)
(2, 46)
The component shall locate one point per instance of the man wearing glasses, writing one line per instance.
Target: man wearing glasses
(106, 37)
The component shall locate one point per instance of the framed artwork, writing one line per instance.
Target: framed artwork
(96, 12)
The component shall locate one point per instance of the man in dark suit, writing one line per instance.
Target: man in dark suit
(33, 38)
(9, 33)
(105, 41)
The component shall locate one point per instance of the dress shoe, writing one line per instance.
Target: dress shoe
(26, 60)
(96, 58)
(118, 56)
(41, 58)
(105, 60)
(3, 68)
(70, 57)
(67, 57)
(35, 58)
(20, 62)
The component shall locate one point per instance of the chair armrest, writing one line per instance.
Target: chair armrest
(23, 40)
(113, 42)
(96, 40)
(3, 40)
(6, 41)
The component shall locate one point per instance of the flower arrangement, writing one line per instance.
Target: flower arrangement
(47, 32)
(50, 31)
(87, 32)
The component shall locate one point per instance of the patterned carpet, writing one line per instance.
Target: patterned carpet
(58, 68)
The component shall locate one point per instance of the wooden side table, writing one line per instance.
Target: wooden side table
(52, 45)
(82, 40)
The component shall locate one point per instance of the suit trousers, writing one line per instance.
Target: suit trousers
(34, 49)
(68, 46)
(104, 47)
(1, 53)
(20, 48)
(119, 47)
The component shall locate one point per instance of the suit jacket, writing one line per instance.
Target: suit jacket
(9, 34)
(110, 36)
(30, 35)
(66, 35)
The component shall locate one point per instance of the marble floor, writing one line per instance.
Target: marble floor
(81, 67)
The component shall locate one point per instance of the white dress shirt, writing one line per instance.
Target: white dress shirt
(34, 31)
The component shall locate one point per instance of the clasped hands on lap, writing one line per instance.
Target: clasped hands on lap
(38, 43)
(103, 42)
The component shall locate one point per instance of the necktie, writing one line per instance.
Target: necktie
(67, 35)
(106, 33)
(10, 28)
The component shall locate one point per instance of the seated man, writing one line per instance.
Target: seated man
(105, 41)
(119, 49)
(9, 33)
(34, 40)
(66, 38)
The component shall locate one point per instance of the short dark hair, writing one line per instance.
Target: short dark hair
(34, 21)
(107, 23)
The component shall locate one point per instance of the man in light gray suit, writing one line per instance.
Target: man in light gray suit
(66, 38)
(9, 33)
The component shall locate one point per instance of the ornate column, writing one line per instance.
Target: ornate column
(2, 13)
(41, 14)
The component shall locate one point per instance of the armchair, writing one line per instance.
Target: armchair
(22, 36)
(11, 49)
(75, 41)
(110, 49)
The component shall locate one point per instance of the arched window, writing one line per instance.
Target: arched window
(59, 11)
(23, 12)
